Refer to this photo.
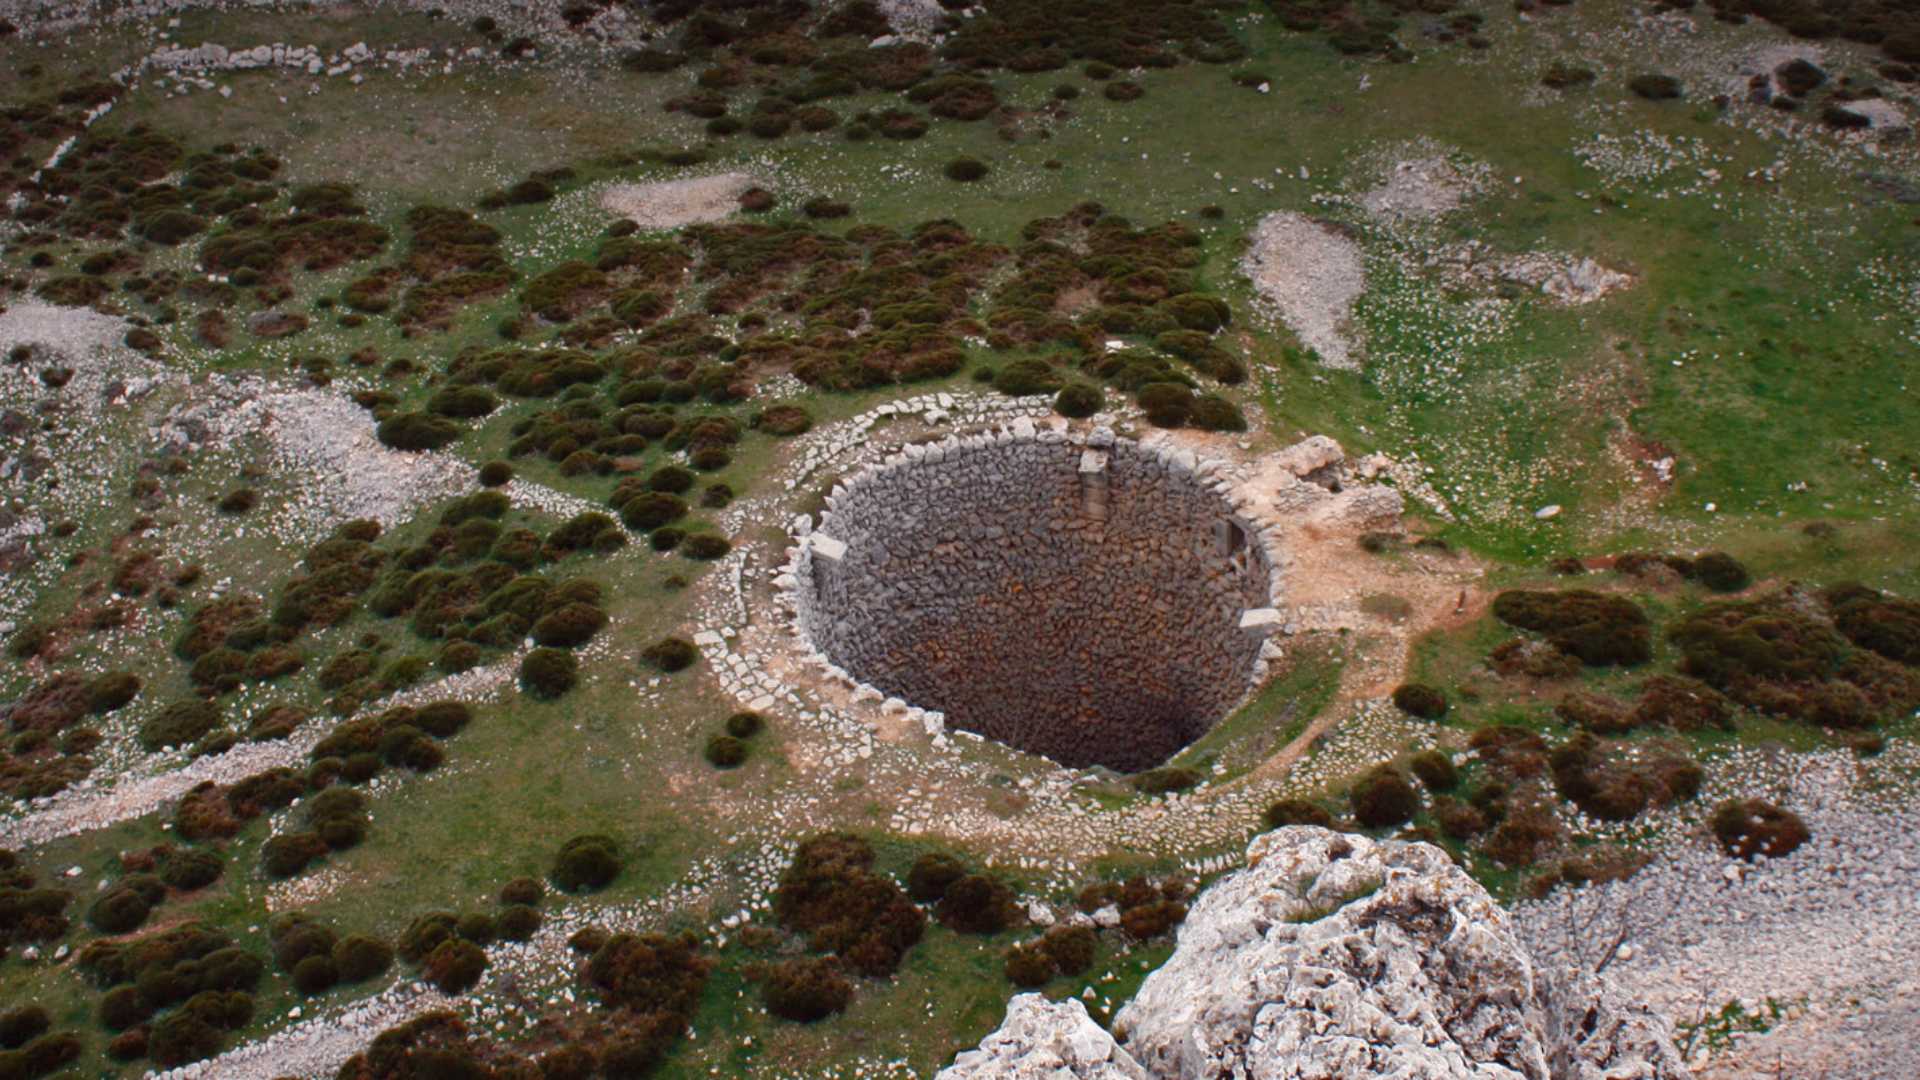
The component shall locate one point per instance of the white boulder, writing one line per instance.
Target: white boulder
(1044, 1040)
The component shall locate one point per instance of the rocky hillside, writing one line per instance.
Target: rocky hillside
(1333, 955)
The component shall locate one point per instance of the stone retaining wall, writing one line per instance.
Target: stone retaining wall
(1081, 598)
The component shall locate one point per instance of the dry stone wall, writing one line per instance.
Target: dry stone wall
(1077, 597)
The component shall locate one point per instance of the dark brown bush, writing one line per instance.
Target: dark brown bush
(1297, 812)
(1523, 837)
(1616, 783)
(977, 904)
(1071, 947)
(671, 654)
(1872, 620)
(1748, 828)
(23, 1023)
(548, 672)
(1682, 704)
(522, 890)
(1416, 699)
(1601, 630)
(1029, 966)
(831, 894)
(1457, 819)
(289, 853)
(1594, 712)
(1383, 798)
(358, 957)
(1143, 922)
(931, 875)
(454, 966)
(657, 978)
(1435, 769)
(806, 989)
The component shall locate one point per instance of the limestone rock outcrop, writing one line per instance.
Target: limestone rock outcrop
(1336, 956)
(1044, 1040)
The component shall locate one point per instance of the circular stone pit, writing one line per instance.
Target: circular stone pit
(1085, 599)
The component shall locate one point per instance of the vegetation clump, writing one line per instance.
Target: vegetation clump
(1383, 798)
(586, 863)
(1296, 812)
(1611, 784)
(654, 982)
(831, 894)
(806, 989)
(977, 904)
(548, 672)
(966, 170)
(1599, 629)
(1774, 656)
(1418, 699)
(1749, 828)
(671, 654)
(725, 752)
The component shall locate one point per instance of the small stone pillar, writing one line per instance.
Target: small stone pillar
(827, 553)
(1093, 485)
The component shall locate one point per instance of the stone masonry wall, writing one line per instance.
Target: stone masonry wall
(1077, 598)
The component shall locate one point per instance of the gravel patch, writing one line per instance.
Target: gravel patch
(1814, 936)
(913, 18)
(320, 1045)
(1423, 187)
(87, 806)
(326, 446)
(1311, 274)
(670, 204)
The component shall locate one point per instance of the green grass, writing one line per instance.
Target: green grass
(1274, 716)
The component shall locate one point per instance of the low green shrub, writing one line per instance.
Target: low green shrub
(187, 869)
(705, 546)
(548, 673)
(358, 957)
(586, 863)
(417, 431)
(966, 170)
(671, 654)
(179, 724)
(725, 752)
(1165, 780)
(1079, 400)
(287, 854)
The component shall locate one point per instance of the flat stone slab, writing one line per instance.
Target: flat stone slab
(826, 547)
(1264, 620)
